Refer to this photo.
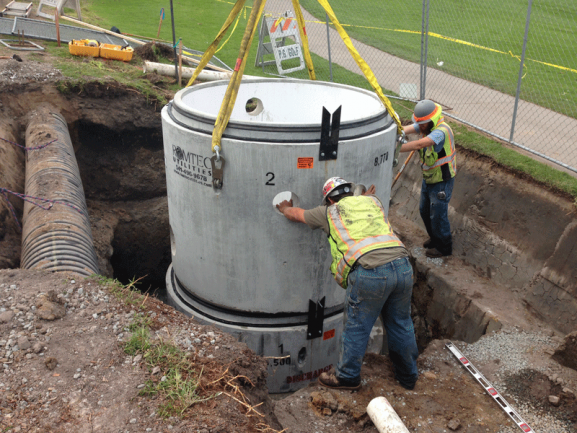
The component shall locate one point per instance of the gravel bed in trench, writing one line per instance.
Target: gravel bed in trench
(511, 350)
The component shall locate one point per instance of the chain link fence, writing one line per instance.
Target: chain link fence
(505, 67)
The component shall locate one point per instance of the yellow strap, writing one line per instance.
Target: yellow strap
(304, 39)
(362, 64)
(232, 90)
(229, 36)
(212, 48)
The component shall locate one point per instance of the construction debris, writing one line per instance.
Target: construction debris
(17, 9)
(13, 56)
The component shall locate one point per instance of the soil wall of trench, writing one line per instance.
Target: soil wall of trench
(513, 231)
(517, 233)
(117, 138)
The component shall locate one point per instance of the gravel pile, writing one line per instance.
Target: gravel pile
(24, 72)
(419, 252)
(513, 347)
(59, 351)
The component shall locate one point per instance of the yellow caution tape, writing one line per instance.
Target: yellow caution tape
(447, 38)
(231, 33)
(304, 39)
(458, 41)
(365, 68)
(212, 48)
(231, 93)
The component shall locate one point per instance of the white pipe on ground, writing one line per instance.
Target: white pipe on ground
(168, 70)
(384, 416)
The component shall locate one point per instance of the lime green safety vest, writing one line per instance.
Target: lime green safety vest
(438, 167)
(357, 225)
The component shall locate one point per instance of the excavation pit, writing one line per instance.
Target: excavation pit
(121, 161)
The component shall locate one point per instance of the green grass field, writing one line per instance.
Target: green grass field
(198, 22)
(491, 25)
(495, 27)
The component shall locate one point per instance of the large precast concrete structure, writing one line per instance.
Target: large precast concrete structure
(237, 263)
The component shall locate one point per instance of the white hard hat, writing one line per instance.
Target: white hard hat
(331, 188)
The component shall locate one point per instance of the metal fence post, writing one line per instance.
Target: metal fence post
(329, 46)
(174, 42)
(424, 48)
(521, 70)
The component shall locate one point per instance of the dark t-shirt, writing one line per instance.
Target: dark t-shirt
(317, 219)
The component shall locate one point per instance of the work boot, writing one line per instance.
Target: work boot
(330, 380)
(407, 385)
(428, 244)
(435, 253)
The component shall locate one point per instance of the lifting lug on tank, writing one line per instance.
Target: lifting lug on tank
(217, 163)
(329, 147)
(316, 318)
(401, 139)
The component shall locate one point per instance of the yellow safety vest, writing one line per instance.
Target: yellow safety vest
(432, 162)
(357, 225)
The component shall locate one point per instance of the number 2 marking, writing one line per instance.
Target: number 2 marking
(270, 180)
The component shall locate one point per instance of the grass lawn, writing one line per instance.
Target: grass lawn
(496, 27)
(198, 22)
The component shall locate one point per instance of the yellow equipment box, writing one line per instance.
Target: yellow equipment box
(116, 52)
(84, 47)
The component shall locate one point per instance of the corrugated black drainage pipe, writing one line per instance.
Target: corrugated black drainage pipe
(58, 239)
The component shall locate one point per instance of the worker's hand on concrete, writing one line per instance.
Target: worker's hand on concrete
(283, 205)
(371, 190)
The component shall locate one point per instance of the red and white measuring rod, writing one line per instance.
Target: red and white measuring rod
(490, 389)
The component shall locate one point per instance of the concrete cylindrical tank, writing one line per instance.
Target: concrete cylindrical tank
(236, 261)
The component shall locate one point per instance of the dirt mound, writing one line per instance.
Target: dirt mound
(74, 374)
(152, 51)
(566, 353)
(14, 72)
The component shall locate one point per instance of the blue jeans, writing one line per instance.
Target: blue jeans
(387, 288)
(435, 214)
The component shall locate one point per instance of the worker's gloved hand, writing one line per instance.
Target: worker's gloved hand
(371, 190)
(283, 205)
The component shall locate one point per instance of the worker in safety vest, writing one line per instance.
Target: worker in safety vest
(372, 264)
(439, 164)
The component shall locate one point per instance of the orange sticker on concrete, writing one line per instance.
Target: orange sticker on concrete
(305, 162)
(329, 334)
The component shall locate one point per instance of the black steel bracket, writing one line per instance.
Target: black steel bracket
(329, 147)
(316, 318)
(217, 163)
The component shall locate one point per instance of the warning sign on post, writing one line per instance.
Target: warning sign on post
(305, 162)
(284, 43)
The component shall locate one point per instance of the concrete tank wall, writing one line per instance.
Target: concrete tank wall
(237, 262)
(231, 247)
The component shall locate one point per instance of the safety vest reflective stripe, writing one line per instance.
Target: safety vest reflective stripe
(336, 219)
(356, 248)
(384, 241)
(446, 159)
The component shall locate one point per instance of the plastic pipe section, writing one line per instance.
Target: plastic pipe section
(205, 75)
(384, 416)
(60, 238)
